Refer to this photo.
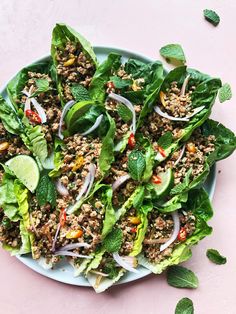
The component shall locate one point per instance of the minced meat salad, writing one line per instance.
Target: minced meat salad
(103, 164)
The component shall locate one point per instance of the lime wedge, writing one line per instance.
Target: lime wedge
(76, 112)
(167, 181)
(26, 170)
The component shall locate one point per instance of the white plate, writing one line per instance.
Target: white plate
(63, 272)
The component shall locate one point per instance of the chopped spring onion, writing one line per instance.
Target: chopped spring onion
(95, 126)
(73, 246)
(167, 116)
(61, 189)
(66, 108)
(120, 181)
(180, 155)
(37, 106)
(124, 264)
(175, 217)
(72, 254)
(185, 83)
(129, 105)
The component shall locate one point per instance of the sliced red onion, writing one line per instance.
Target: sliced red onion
(185, 83)
(175, 217)
(73, 246)
(37, 106)
(92, 170)
(195, 111)
(121, 261)
(99, 273)
(28, 100)
(180, 155)
(72, 254)
(167, 116)
(129, 105)
(61, 189)
(66, 108)
(95, 126)
(55, 237)
(120, 181)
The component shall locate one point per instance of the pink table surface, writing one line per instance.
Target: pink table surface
(140, 26)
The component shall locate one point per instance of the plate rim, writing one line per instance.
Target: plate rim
(26, 260)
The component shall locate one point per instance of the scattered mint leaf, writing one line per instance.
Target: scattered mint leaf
(180, 188)
(79, 92)
(212, 17)
(173, 53)
(42, 87)
(120, 83)
(181, 277)
(124, 113)
(165, 140)
(113, 241)
(216, 257)
(225, 93)
(46, 191)
(111, 269)
(184, 306)
(136, 164)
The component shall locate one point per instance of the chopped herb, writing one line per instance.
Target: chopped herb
(79, 92)
(216, 257)
(165, 140)
(212, 17)
(181, 277)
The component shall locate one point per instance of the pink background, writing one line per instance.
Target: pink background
(143, 27)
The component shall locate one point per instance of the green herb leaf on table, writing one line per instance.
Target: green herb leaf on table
(184, 306)
(46, 191)
(181, 277)
(113, 241)
(124, 113)
(165, 140)
(42, 86)
(212, 17)
(79, 92)
(174, 54)
(136, 164)
(216, 257)
(120, 83)
(225, 93)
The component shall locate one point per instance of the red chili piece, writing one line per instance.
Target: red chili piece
(156, 179)
(33, 116)
(110, 85)
(182, 234)
(62, 217)
(161, 151)
(131, 141)
(133, 230)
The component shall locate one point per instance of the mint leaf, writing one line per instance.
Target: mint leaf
(46, 191)
(124, 113)
(113, 240)
(184, 306)
(165, 140)
(111, 269)
(181, 277)
(79, 92)
(180, 188)
(216, 257)
(42, 87)
(136, 164)
(212, 17)
(120, 83)
(225, 93)
(173, 53)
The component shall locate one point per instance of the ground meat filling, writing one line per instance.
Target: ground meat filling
(198, 147)
(10, 232)
(84, 227)
(128, 225)
(160, 228)
(78, 154)
(73, 67)
(48, 100)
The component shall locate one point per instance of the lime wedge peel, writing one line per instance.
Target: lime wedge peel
(167, 180)
(26, 170)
